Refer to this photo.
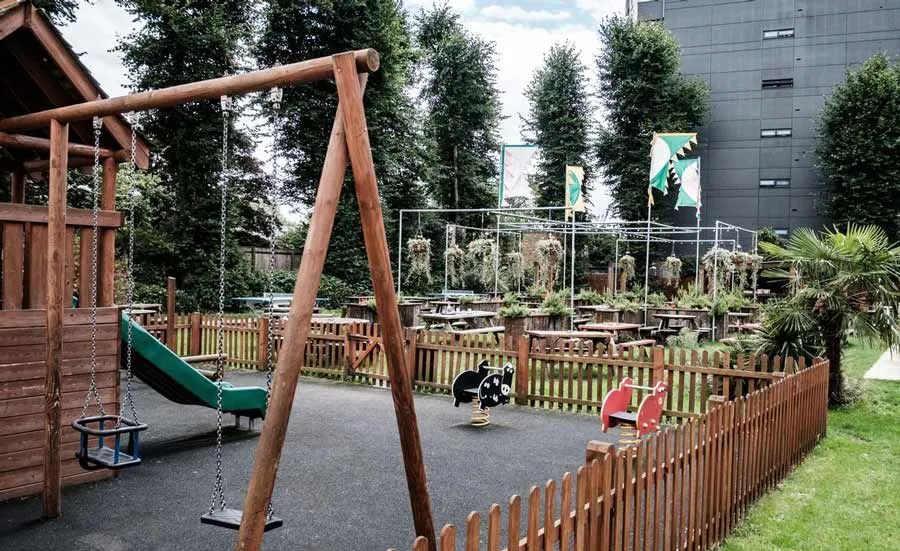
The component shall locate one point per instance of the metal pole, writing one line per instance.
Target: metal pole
(572, 277)
(697, 255)
(715, 280)
(446, 248)
(647, 264)
(400, 251)
(616, 270)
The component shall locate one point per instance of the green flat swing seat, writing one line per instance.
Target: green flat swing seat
(165, 372)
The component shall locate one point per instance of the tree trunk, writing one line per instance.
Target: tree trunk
(834, 341)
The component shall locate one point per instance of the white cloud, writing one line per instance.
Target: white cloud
(94, 34)
(598, 9)
(515, 13)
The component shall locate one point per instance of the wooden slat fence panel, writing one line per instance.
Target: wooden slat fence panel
(685, 487)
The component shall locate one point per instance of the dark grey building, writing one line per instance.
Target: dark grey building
(769, 65)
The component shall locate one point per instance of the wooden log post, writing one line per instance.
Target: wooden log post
(107, 238)
(262, 343)
(598, 450)
(196, 334)
(412, 336)
(374, 236)
(56, 233)
(17, 193)
(295, 335)
(522, 370)
(659, 364)
(171, 332)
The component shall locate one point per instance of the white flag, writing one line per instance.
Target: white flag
(514, 181)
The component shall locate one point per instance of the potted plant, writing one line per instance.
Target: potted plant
(672, 271)
(480, 254)
(514, 317)
(419, 252)
(547, 255)
(626, 270)
(556, 307)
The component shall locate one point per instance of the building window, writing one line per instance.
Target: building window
(775, 133)
(775, 183)
(772, 83)
(778, 33)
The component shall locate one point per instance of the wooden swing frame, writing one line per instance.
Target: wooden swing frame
(349, 141)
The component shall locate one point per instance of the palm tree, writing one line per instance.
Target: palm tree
(840, 282)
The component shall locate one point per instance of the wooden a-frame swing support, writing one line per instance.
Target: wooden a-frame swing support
(349, 141)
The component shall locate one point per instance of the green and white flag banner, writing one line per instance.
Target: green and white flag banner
(687, 173)
(665, 148)
(574, 196)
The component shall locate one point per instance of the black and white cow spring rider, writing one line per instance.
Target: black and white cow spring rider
(490, 385)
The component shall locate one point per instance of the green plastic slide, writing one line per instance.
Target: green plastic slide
(165, 372)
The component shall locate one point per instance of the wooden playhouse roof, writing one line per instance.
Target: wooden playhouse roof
(40, 71)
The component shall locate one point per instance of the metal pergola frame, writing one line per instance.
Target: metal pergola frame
(624, 231)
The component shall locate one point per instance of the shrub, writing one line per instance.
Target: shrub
(590, 296)
(684, 339)
(515, 311)
(556, 304)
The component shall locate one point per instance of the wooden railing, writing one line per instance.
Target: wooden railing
(685, 487)
(557, 374)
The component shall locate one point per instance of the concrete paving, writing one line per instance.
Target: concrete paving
(887, 368)
(341, 483)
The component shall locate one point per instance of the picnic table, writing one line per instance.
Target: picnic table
(665, 322)
(476, 318)
(443, 306)
(613, 327)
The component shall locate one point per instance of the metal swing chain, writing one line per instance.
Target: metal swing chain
(95, 212)
(218, 493)
(129, 276)
(275, 98)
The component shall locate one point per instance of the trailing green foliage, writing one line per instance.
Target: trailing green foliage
(419, 252)
(558, 121)
(548, 253)
(859, 144)
(689, 298)
(642, 91)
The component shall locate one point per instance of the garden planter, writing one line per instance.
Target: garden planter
(513, 330)
(409, 313)
(540, 321)
(360, 311)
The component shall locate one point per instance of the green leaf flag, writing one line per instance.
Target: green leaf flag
(687, 173)
(665, 148)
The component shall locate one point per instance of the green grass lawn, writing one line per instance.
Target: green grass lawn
(846, 495)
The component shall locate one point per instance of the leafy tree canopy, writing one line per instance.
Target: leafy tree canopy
(463, 110)
(60, 12)
(558, 121)
(302, 29)
(179, 42)
(642, 92)
(859, 145)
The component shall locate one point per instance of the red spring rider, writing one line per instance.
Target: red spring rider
(615, 407)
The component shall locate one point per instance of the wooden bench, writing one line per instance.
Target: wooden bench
(493, 330)
(616, 348)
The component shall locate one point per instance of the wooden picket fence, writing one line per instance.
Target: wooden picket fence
(557, 374)
(684, 488)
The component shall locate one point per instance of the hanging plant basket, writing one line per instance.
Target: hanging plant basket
(672, 271)
(480, 254)
(515, 270)
(755, 265)
(455, 257)
(547, 256)
(626, 266)
(742, 266)
(419, 252)
(718, 265)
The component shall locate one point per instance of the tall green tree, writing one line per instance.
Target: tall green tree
(642, 92)
(463, 110)
(59, 11)
(859, 145)
(302, 29)
(180, 41)
(558, 121)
